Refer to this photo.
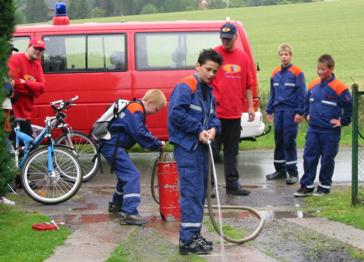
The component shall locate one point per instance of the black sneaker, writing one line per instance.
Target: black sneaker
(126, 219)
(303, 191)
(197, 246)
(238, 192)
(207, 242)
(276, 175)
(321, 191)
(114, 207)
(292, 179)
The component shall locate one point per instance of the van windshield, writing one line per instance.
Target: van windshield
(171, 50)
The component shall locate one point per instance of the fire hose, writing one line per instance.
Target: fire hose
(210, 206)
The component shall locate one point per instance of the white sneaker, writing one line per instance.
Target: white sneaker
(6, 201)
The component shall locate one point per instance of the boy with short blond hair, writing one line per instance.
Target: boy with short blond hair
(286, 104)
(328, 107)
(127, 130)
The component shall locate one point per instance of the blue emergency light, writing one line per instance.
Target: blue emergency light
(61, 9)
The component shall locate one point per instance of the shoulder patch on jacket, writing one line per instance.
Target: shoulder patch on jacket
(338, 86)
(275, 71)
(135, 107)
(295, 70)
(191, 82)
(313, 83)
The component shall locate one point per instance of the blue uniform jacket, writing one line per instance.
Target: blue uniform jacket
(328, 100)
(129, 128)
(287, 90)
(189, 114)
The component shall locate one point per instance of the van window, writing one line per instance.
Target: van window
(84, 53)
(180, 49)
(21, 42)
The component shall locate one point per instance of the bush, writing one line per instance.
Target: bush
(149, 9)
(6, 28)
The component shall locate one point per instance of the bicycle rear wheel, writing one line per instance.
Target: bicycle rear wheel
(55, 187)
(85, 150)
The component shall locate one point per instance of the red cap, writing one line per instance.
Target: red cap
(37, 43)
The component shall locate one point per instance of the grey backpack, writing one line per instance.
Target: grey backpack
(100, 129)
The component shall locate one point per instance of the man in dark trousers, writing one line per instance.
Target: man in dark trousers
(232, 84)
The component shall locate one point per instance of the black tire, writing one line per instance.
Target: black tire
(55, 188)
(85, 150)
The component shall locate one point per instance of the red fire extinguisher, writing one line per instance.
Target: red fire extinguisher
(168, 188)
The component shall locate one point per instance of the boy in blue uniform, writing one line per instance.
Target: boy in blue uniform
(128, 129)
(286, 103)
(192, 123)
(328, 107)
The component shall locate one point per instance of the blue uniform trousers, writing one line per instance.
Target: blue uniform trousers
(192, 169)
(326, 146)
(128, 185)
(285, 134)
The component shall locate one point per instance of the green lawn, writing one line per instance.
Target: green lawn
(19, 242)
(337, 206)
(334, 27)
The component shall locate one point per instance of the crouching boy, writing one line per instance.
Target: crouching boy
(328, 107)
(192, 123)
(126, 130)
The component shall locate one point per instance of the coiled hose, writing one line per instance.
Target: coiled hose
(210, 206)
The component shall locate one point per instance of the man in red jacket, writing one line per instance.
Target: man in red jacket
(232, 84)
(26, 71)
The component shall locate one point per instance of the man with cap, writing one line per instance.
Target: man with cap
(25, 70)
(232, 84)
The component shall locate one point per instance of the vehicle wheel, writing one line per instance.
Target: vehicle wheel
(57, 186)
(85, 150)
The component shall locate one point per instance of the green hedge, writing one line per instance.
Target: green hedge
(6, 29)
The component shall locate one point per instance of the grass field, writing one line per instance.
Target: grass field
(334, 27)
(19, 242)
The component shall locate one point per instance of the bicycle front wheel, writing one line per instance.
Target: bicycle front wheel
(85, 150)
(52, 187)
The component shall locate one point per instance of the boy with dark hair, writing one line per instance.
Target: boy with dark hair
(328, 107)
(192, 124)
(126, 130)
(286, 104)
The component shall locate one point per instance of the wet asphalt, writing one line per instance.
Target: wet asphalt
(280, 240)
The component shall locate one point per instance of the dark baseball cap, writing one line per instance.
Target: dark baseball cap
(228, 30)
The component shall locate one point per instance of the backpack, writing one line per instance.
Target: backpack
(100, 129)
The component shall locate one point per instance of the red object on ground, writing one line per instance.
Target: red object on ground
(168, 191)
(44, 226)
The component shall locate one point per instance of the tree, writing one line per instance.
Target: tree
(6, 28)
(36, 11)
(78, 9)
(149, 9)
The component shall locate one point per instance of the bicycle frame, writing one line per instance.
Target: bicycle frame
(32, 143)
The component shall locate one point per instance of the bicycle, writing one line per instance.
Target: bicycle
(51, 174)
(82, 146)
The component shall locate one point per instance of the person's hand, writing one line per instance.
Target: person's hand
(212, 133)
(22, 81)
(203, 136)
(270, 118)
(335, 122)
(163, 144)
(297, 118)
(251, 114)
(308, 118)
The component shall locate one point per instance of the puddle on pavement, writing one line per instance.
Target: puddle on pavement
(88, 206)
(286, 214)
(78, 219)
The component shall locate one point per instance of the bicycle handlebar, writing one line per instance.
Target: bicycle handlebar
(63, 103)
